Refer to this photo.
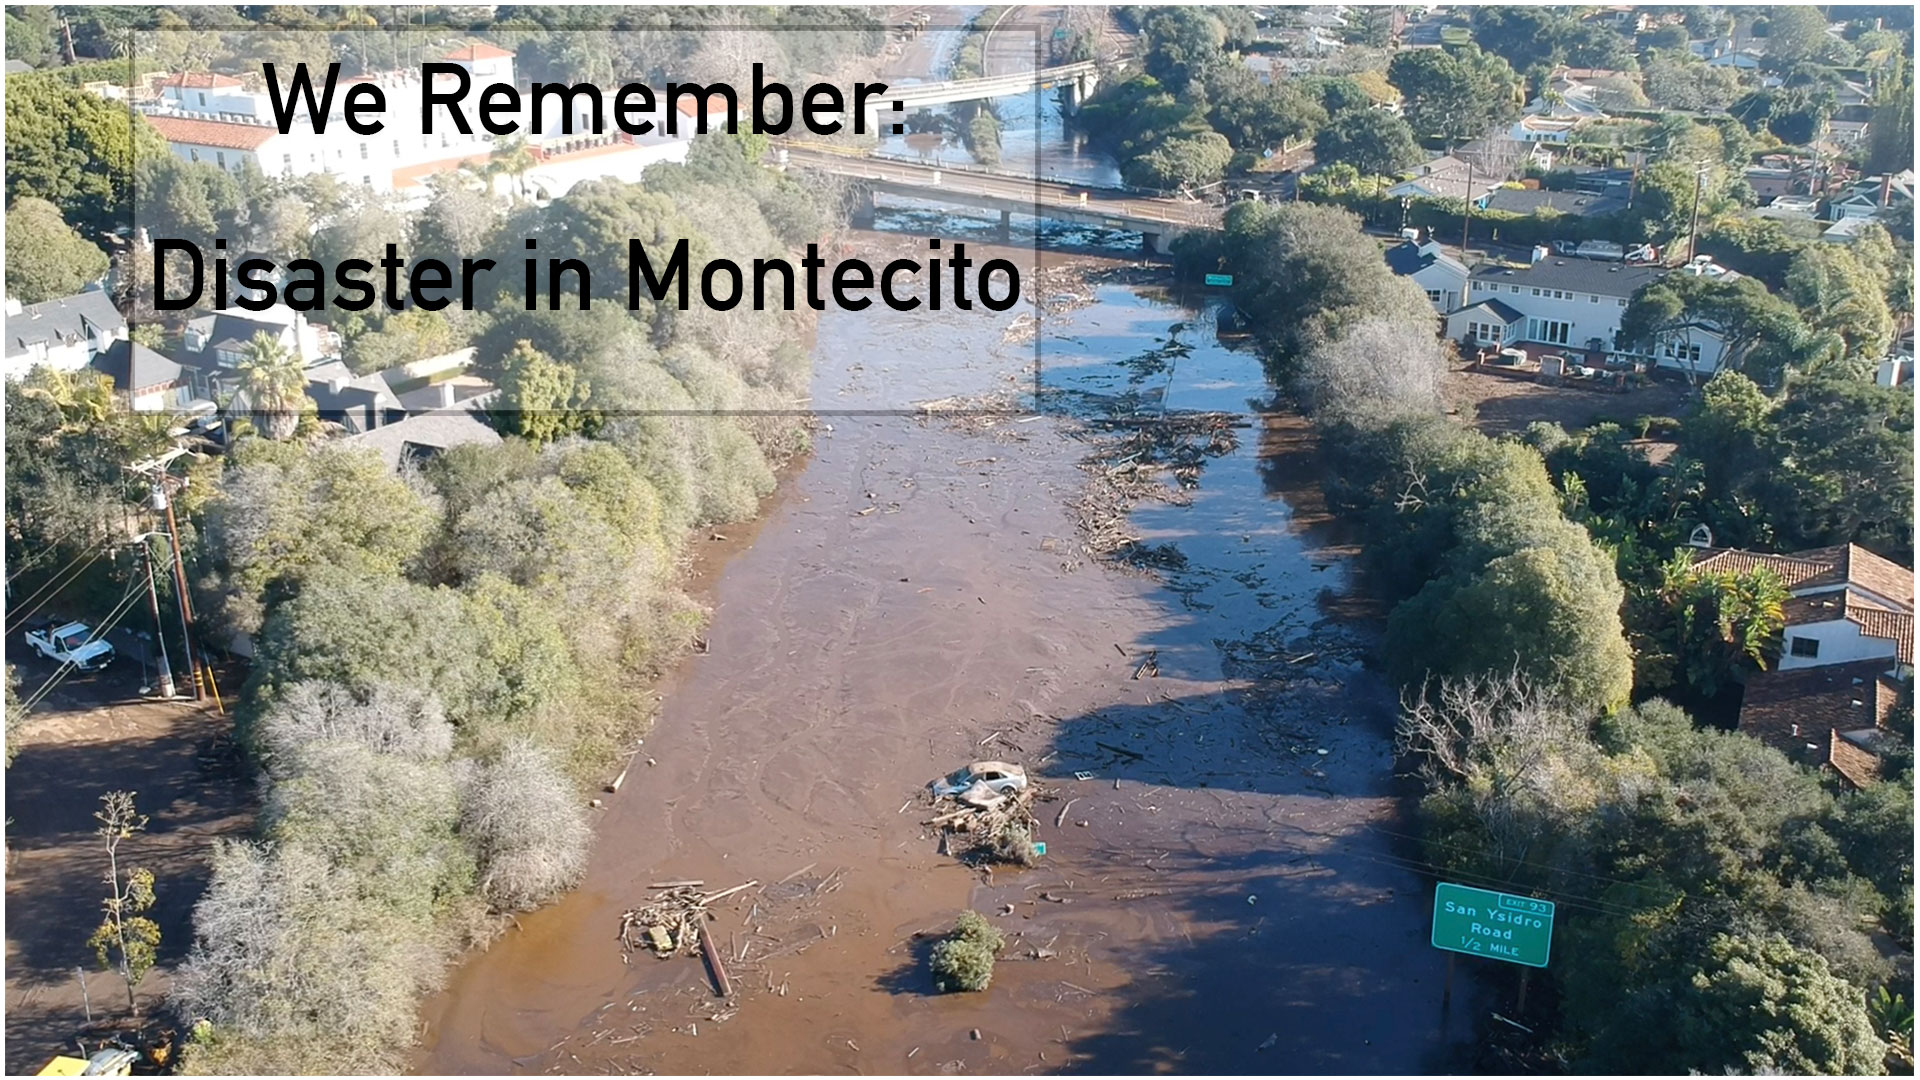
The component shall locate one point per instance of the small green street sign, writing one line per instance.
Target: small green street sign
(1219, 279)
(1517, 929)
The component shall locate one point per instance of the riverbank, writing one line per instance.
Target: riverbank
(1226, 890)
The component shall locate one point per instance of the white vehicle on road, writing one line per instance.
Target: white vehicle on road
(71, 643)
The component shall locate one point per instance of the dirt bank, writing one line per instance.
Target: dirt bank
(1226, 891)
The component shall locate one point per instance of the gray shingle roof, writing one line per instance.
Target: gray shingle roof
(132, 366)
(62, 321)
(426, 434)
(1507, 314)
(1406, 258)
(1579, 203)
(1574, 275)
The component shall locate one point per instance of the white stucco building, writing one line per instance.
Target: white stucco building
(213, 118)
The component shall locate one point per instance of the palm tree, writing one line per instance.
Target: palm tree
(511, 157)
(276, 386)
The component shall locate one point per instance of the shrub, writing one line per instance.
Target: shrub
(963, 960)
(973, 926)
(527, 828)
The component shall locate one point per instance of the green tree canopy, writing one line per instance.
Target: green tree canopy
(45, 258)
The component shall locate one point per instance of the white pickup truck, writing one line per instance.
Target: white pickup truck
(71, 643)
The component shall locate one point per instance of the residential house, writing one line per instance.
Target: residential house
(1871, 195)
(1846, 230)
(357, 403)
(1448, 177)
(143, 380)
(215, 345)
(1739, 60)
(1487, 323)
(1848, 127)
(1566, 301)
(1847, 652)
(65, 333)
(423, 436)
(1771, 182)
(1440, 275)
(1534, 128)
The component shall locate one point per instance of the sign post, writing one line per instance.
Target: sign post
(1219, 280)
(1500, 926)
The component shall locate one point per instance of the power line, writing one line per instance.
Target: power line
(50, 583)
(50, 547)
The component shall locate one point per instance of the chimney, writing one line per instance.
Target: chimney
(1540, 252)
(445, 391)
(1886, 188)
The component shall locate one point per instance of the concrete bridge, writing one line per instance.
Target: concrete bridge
(1159, 220)
(1081, 77)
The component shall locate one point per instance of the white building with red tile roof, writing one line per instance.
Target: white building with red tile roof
(1846, 650)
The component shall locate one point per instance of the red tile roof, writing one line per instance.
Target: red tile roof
(200, 80)
(228, 136)
(1898, 625)
(1790, 709)
(1844, 564)
(477, 51)
(1855, 755)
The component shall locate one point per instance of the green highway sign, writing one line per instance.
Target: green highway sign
(1517, 929)
(1219, 279)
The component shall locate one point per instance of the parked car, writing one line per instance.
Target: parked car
(71, 643)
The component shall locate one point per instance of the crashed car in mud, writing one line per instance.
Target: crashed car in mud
(993, 777)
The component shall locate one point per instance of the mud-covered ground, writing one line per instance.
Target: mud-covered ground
(1227, 886)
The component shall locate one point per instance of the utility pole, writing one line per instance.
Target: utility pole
(153, 605)
(1466, 217)
(1693, 227)
(161, 488)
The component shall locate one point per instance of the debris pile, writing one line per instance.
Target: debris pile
(671, 921)
(1129, 469)
(986, 820)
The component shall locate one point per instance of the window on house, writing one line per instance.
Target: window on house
(1622, 301)
(192, 154)
(396, 148)
(286, 162)
(1433, 296)
(363, 151)
(1803, 646)
(367, 180)
(221, 157)
(1536, 292)
(203, 101)
(1516, 289)
(1593, 298)
(1551, 331)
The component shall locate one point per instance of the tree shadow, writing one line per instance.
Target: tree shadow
(1259, 845)
(914, 977)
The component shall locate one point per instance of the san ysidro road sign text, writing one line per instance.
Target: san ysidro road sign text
(1479, 922)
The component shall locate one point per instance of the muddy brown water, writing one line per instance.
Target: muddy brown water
(1227, 887)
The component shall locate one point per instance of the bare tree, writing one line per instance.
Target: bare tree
(125, 936)
(400, 721)
(1504, 741)
(1377, 367)
(528, 829)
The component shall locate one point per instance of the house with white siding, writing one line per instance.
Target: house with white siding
(1563, 300)
(66, 332)
(1441, 276)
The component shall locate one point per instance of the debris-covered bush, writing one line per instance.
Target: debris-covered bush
(963, 960)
